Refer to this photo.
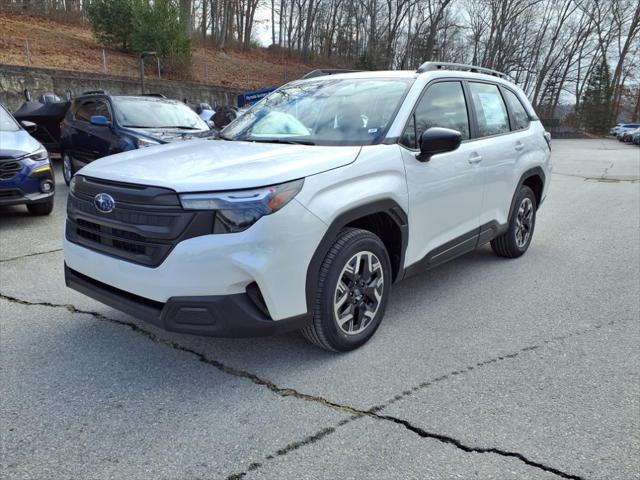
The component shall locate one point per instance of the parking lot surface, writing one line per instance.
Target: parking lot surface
(483, 368)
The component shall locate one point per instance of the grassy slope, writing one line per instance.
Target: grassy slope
(72, 47)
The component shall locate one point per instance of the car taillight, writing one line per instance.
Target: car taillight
(547, 137)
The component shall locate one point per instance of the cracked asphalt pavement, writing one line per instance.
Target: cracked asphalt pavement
(483, 368)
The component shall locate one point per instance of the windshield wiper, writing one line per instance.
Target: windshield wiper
(181, 127)
(287, 141)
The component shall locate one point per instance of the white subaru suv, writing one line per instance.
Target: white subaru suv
(312, 204)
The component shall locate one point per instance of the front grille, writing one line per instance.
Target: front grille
(9, 169)
(144, 226)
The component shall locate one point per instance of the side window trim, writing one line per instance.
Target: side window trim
(462, 82)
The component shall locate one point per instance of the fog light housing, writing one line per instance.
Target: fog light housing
(46, 186)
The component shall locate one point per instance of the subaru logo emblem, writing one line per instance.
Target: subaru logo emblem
(104, 202)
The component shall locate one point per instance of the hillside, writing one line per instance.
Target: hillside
(72, 47)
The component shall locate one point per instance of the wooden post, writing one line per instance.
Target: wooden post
(27, 52)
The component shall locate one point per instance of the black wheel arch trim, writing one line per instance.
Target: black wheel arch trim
(385, 206)
(532, 172)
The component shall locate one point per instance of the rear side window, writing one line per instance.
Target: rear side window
(442, 105)
(490, 109)
(520, 117)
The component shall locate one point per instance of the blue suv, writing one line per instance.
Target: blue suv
(99, 124)
(26, 175)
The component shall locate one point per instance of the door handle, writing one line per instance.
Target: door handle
(519, 146)
(475, 158)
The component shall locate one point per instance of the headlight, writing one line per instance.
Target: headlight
(72, 185)
(37, 156)
(38, 161)
(238, 210)
(145, 142)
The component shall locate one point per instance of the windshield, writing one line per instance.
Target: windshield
(351, 111)
(7, 123)
(153, 113)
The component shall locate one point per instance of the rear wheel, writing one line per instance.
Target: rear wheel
(516, 240)
(353, 288)
(68, 171)
(43, 208)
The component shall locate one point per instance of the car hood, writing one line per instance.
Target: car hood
(17, 144)
(201, 165)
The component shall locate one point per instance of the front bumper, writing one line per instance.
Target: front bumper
(24, 187)
(273, 255)
(215, 315)
(18, 197)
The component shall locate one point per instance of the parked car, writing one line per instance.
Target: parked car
(312, 204)
(628, 135)
(99, 124)
(614, 130)
(204, 111)
(625, 127)
(26, 175)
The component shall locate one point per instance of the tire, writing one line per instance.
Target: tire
(516, 240)
(43, 208)
(68, 171)
(365, 303)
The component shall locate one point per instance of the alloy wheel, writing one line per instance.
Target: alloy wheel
(358, 293)
(524, 222)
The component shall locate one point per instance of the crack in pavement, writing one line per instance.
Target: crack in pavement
(354, 413)
(10, 259)
(601, 179)
(373, 413)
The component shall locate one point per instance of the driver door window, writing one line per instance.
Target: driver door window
(442, 105)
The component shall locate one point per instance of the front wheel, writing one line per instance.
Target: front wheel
(68, 171)
(353, 287)
(516, 240)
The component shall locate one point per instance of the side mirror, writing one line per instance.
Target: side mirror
(438, 140)
(100, 121)
(29, 126)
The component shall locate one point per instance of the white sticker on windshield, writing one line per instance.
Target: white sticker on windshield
(373, 130)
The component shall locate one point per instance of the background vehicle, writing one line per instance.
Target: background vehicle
(636, 139)
(312, 204)
(99, 124)
(628, 135)
(46, 114)
(26, 175)
(614, 130)
(625, 127)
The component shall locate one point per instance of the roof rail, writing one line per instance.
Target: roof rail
(431, 66)
(158, 95)
(320, 72)
(95, 92)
